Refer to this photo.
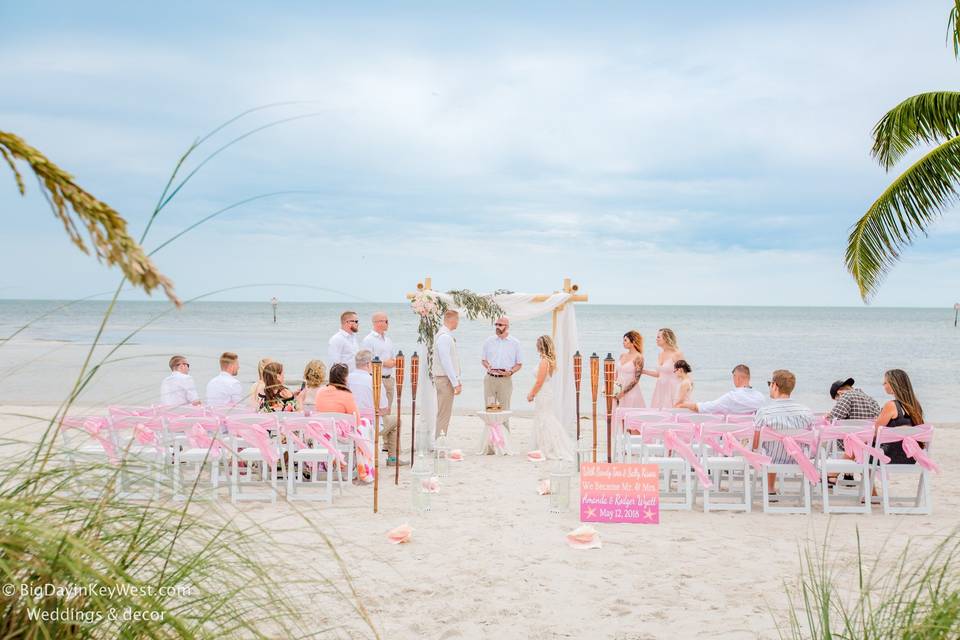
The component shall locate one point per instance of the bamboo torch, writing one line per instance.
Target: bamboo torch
(594, 387)
(414, 381)
(398, 377)
(577, 374)
(377, 381)
(608, 371)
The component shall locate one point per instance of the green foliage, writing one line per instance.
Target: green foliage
(920, 195)
(917, 598)
(431, 308)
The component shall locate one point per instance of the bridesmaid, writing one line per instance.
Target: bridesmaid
(629, 370)
(685, 392)
(667, 390)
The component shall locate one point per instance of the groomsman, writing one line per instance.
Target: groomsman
(343, 345)
(501, 359)
(446, 370)
(382, 347)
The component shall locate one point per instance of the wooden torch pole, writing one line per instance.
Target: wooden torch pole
(377, 381)
(398, 378)
(608, 372)
(414, 381)
(594, 387)
(577, 375)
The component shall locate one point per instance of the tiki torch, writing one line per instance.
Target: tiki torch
(608, 370)
(594, 387)
(577, 373)
(377, 381)
(398, 376)
(414, 380)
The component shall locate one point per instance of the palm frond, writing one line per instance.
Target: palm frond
(902, 212)
(953, 28)
(929, 118)
(107, 229)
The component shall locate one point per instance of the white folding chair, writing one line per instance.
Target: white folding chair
(632, 421)
(911, 439)
(140, 448)
(254, 441)
(197, 441)
(857, 437)
(665, 437)
(804, 443)
(726, 454)
(90, 448)
(311, 441)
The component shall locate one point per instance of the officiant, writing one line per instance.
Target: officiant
(501, 359)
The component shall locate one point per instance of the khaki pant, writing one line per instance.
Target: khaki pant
(501, 390)
(444, 404)
(390, 385)
(388, 433)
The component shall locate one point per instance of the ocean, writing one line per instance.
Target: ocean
(819, 344)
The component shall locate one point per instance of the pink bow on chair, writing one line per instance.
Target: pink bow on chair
(199, 438)
(97, 428)
(258, 436)
(855, 445)
(673, 441)
(144, 435)
(733, 446)
(792, 446)
(316, 431)
(912, 448)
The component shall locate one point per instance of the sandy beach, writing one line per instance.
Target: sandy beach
(490, 561)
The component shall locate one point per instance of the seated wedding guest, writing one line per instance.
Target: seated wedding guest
(178, 388)
(851, 403)
(257, 387)
(682, 369)
(781, 414)
(275, 396)
(314, 377)
(336, 396)
(903, 411)
(225, 390)
(360, 382)
(741, 400)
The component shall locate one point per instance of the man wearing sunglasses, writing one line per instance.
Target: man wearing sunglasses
(343, 346)
(501, 359)
(178, 388)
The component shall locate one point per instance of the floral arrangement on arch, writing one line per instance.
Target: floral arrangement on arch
(430, 308)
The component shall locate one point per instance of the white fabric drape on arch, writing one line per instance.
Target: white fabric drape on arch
(517, 307)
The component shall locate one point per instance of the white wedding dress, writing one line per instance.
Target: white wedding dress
(549, 435)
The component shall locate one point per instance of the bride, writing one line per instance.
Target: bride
(548, 434)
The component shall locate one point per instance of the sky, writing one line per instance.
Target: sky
(699, 153)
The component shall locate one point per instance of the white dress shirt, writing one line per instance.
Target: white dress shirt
(502, 353)
(177, 389)
(445, 360)
(343, 348)
(382, 347)
(738, 401)
(224, 391)
(361, 386)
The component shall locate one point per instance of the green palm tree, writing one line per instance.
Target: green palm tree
(920, 194)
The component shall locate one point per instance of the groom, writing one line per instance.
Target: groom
(446, 370)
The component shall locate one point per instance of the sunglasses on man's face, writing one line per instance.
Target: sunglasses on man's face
(499, 325)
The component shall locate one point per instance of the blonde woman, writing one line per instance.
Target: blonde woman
(257, 389)
(667, 391)
(629, 370)
(548, 434)
(314, 377)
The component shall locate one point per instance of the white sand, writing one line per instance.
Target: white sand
(490, 561)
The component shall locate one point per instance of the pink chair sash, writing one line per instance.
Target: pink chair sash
(730, 445)
(345, 430)
(97, 428)
(911, 445)
(316, 431)
(258, 436)
(792, 446)
(144, 435)
(496, 436)
(674, 441)
(856, 444)
(199, 438)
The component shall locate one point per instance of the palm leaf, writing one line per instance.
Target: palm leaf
(953, 28)
(929, 118)
(902, 212)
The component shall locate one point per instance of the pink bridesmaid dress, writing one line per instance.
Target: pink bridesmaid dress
(667, 390)
(625, 375)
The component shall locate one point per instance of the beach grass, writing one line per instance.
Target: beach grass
(901, 594)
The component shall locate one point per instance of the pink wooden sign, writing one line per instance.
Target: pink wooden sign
(619, 493)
